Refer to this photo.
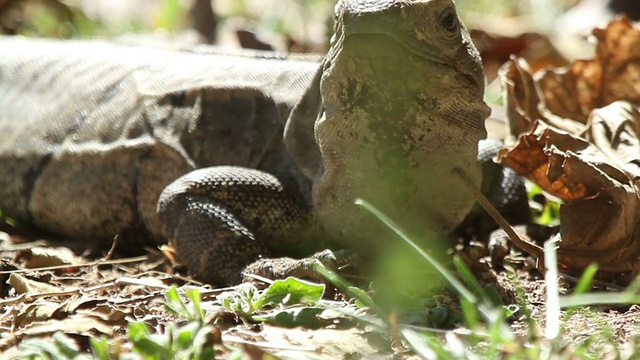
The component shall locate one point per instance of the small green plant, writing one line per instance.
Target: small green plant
(545, 209)
(194, 340)
(191, 341)
(289, 303)
(60, 346)
(245, 300)
(176, 305)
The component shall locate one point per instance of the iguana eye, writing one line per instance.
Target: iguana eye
(449, 21)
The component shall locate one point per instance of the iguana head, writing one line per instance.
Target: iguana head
(401, 91)
(429, 29)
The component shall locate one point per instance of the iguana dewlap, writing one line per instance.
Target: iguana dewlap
(93, 133)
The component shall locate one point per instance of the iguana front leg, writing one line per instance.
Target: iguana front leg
(222, 218)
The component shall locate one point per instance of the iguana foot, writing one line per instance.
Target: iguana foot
(500, 246)
(222, 218)
(279, 268)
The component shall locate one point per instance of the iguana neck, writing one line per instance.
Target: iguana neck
(394, 127)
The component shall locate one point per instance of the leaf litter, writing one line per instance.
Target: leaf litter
(102, 299)
(574, 132)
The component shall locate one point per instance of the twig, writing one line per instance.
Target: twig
(502, 222)
(114, 244)
(269, 345)
(30, 297)
(89, 264)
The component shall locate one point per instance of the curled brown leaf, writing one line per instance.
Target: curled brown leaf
(575, 133)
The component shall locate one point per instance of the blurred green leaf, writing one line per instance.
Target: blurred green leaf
(169, 15)
(290, 291)
(308, 317)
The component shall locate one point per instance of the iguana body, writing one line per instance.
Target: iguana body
(94, 132)
(91, 122)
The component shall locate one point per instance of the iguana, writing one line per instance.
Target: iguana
(233, 158)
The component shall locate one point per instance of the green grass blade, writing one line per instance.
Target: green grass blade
(623, 298)
(468, 277)
(584, 285)
(553, 296)
(349, 289)
(449, 277)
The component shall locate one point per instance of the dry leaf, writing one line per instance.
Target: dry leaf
(574, 131)
(22, 285)
(613, 74)
(496, 44)
(39, 257)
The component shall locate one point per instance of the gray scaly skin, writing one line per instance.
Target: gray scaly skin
(95, 132)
